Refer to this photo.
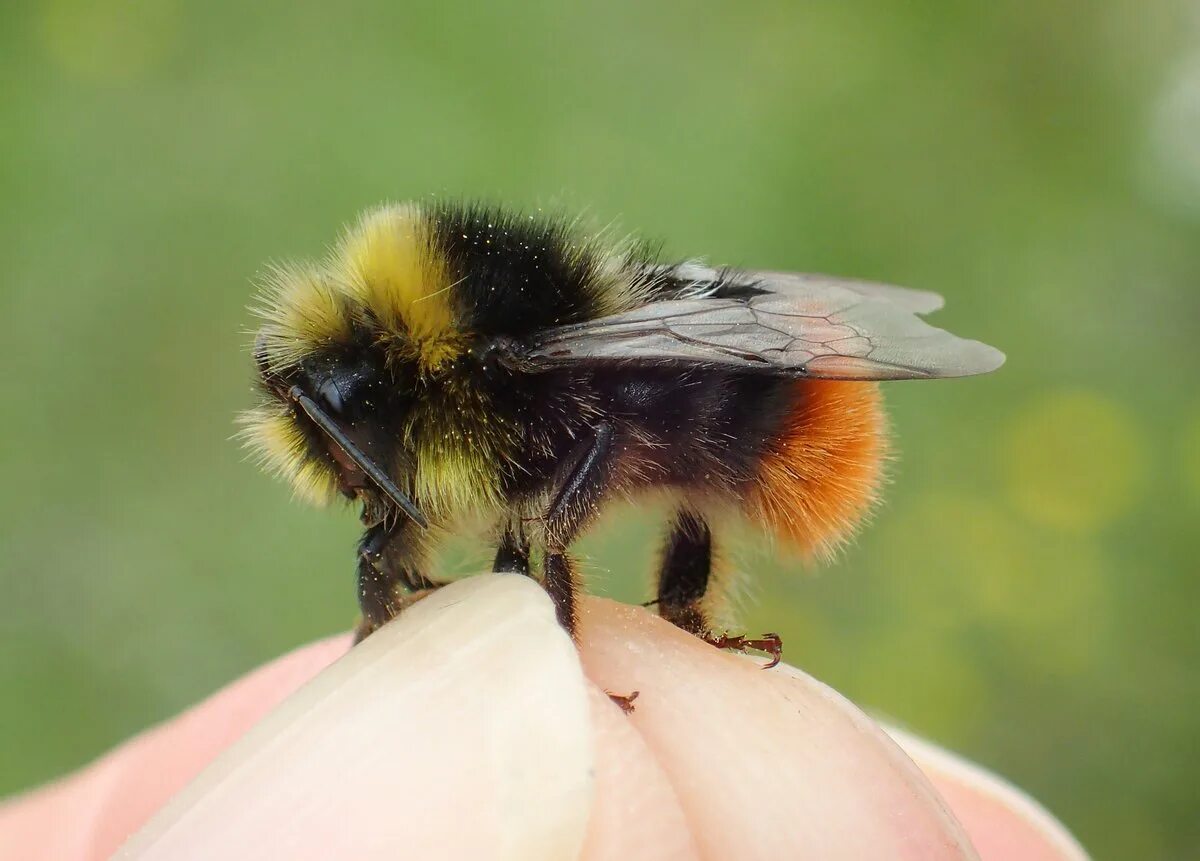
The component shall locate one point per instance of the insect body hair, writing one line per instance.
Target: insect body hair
(453, 362)
(410, 291)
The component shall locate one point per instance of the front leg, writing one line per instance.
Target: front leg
(512, 554)
(572, 507)
(389, 556)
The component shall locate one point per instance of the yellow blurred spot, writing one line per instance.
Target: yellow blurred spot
(945, 536)
(914, 674)
(1190, 455)
(1055, 609)
(972, 569)
(1074, 461)
(109, 41)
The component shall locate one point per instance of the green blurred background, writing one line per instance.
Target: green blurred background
(1027, 595)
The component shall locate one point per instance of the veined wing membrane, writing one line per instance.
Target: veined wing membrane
(806, 326)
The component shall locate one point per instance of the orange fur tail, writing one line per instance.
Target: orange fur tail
(823, 473)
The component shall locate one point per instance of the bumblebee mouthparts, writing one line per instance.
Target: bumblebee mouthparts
(369, 467)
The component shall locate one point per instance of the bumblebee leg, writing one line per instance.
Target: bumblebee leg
(772, 644)
(387, 569)
(683, 581)
(624, 701)
(561, 581)
(684, 574)
(512, 555)
(575, 503)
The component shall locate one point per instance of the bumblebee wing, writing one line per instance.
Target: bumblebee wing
(696, 279)
(796, 325)
(915, 301)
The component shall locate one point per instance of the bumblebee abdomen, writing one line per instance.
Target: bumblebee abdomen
(703, 429)
(804, 458)
(821, 473)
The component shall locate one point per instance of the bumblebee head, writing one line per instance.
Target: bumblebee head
(329, 428)
(342, 351)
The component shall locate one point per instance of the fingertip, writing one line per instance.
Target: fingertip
(636, 813)
(96, 809)
(1003, 822)
(719, 758)
(461, 730)
(765, 762)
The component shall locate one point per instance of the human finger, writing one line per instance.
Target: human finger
(1003, 822)
(765, 764)
(461, 731)
(87, 815)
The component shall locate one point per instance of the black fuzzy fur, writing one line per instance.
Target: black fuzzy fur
(698, 429)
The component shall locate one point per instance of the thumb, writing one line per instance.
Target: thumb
(487, 755)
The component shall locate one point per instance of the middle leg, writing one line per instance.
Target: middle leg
(575, 503)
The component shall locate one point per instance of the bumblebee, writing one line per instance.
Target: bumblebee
(449, 361)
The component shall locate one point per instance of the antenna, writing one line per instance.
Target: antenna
(377, 475)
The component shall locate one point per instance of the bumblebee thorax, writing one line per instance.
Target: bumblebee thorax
(460, 446)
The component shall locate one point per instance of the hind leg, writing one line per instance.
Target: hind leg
(683, 582)
(685, 572)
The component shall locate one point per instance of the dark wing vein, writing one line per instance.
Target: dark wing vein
(801, 325)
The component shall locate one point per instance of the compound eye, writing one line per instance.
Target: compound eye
(331, 395)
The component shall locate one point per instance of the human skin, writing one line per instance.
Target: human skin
(472, 727)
